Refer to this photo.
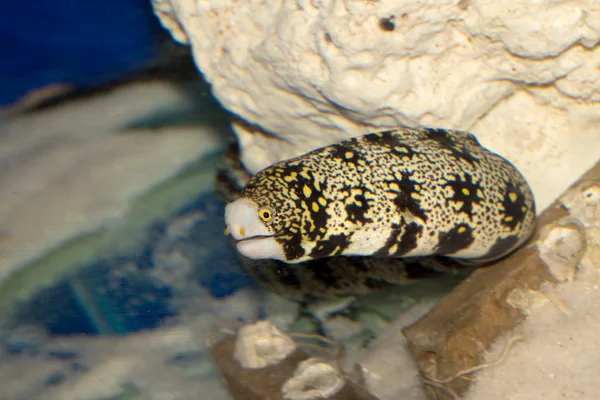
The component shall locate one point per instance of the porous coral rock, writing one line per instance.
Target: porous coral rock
(261, 344)
(313, 380)
(523, 76)
(546, 290)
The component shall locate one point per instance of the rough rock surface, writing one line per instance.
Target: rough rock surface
(522, 76)
(290, 374)
(491, 308)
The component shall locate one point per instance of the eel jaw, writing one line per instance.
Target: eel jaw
(261, 247)
(255, 241)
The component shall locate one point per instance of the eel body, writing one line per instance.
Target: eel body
(402, 193)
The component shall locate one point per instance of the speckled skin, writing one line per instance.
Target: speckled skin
(422, 192)
(402, 193)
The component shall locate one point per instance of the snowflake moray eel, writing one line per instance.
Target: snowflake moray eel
(405, 193)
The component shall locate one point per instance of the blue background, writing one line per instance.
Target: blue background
(79, 42)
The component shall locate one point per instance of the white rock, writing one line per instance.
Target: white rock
(559, 352)
(261, 344)
(523, 76)
(313, 379)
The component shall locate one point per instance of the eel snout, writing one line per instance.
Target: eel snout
(254, 240)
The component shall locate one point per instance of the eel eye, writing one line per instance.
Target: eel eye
(266, 214)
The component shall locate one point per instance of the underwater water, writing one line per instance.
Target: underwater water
(74, 43)
(114, 261)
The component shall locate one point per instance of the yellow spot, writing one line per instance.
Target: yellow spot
(418, 188)
(322, 201)
(356, 192)
(315, 207)
(304, 174)
(242, 231)
(295, 228)
(401, 149)
(226, 231)
(394, 186)
(291, 177)
(512, 196)
(317, 186)
(323, 230)
(508, 218)
(358, 203)
(465, 191)
(480, 193)
(524, 209)
(393, 249)
(307, 191)
(462, 229)
(415, 196)
(349, 154)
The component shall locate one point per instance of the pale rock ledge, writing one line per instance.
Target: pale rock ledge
(523, 76)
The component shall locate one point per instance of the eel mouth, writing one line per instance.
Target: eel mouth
(260, 247)
(255, 238)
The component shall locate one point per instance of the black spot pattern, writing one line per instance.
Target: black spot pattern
(403, 150)
(446, 140)
(466, 193)
(404, 201)
(356, 212)
(514, 206)
(422, 191)
(502, 247)
(402, 240)
(292, 246)
(318, 219)
(384, 139)
(341, 153)
(334, 245)
(458, 238)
